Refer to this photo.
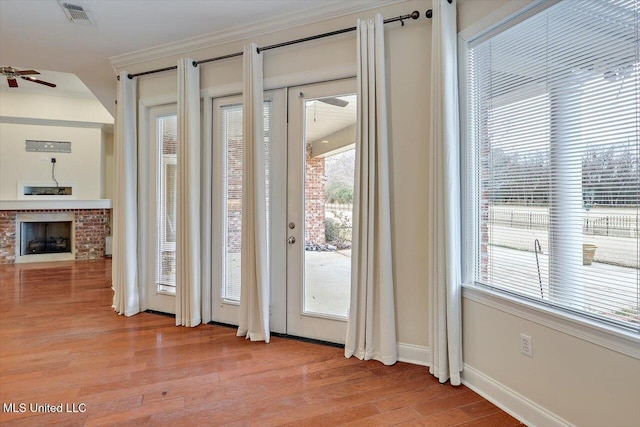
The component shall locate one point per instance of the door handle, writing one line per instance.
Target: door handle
(291, 240)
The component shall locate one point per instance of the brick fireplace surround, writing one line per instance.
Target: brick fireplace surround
(91, 228)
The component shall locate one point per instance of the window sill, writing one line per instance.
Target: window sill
(616, 339)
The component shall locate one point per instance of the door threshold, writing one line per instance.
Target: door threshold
(285, 336)
(160, 313)
(308, 340)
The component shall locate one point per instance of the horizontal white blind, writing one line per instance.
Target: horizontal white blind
(166, 203)
(232, 138)
(231, 128)
(555, 127)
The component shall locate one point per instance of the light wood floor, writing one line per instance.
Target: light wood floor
(60, 342)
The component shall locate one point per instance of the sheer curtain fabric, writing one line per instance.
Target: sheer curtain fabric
(371, 332)
(255, 287)
(188, 285)
(445, 336)
(126, 294)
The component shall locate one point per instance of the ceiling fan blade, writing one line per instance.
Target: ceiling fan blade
(33, 79)
(12, 82)
(334, 101)
(27, 72)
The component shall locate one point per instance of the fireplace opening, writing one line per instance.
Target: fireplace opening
(45, 237)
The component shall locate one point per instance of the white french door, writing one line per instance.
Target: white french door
(320, 178)
(161, 208)
(310, 152)
(228, 144)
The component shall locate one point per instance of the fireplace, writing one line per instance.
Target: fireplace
(44, 237)
(49, 237)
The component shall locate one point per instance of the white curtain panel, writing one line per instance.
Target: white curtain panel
(188, 286)
(254, 288)
(445, 336)
(371, 331)
(126, 296)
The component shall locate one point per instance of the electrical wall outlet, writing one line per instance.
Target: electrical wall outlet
(526, 345)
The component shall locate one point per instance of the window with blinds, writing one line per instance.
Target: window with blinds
(554, 128)
(231, 128)
(166, 203)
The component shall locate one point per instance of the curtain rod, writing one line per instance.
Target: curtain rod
(413, 15)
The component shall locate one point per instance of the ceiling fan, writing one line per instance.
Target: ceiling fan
(12, 74)
(334, 101)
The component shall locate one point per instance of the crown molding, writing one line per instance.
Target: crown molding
(247, 30)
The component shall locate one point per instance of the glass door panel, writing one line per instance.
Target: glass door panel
(321, 152)
(227, 184)
(161, 195)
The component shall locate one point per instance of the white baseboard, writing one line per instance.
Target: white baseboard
(509, 400)
(500, 395)
(415, 354)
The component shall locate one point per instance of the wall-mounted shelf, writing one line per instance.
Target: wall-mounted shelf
(46, 191)
(35, 190)
(17, 205)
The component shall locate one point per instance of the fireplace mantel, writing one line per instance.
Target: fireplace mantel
(14, 205)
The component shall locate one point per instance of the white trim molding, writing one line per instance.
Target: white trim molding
(415, 354)
(617, 339)
(510, 401)
(17, 205)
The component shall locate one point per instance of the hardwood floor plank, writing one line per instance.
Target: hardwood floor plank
(430, 392)
(449, 402)
(336, 418)
(480, 409)
(390, 418)
(500, 419)
(61, 342)
(448, 418)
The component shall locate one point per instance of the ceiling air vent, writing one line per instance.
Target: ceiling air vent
(75, 13)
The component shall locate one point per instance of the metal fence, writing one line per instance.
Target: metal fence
(597, 224)
(340, 207)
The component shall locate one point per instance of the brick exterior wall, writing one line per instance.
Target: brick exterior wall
(91, 228)
(234, 190)
(7, 237)
(170, 135)
(315, 199)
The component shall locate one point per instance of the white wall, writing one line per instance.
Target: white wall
(107, 165)
(82, 166)
(569, 379)
(582, 383)
(52, 118)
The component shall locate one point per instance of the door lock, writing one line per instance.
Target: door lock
(292, 225)
(291, 240)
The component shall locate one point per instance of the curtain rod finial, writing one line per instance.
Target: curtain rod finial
(415, 14)
(429, 14)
